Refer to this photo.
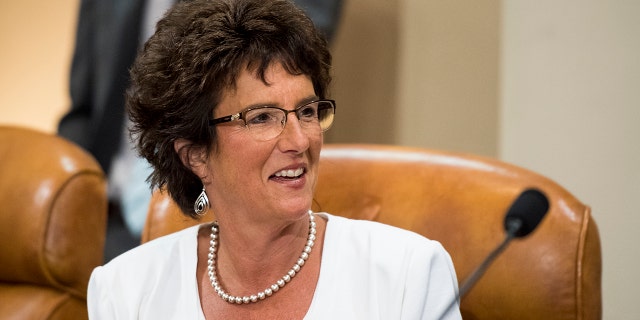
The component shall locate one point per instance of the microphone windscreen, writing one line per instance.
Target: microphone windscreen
(526, 212)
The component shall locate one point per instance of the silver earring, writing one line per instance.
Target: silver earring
(202, 203)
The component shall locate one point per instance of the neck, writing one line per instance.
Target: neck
(256, 255)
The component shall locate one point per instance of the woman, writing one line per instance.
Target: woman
(228, 101)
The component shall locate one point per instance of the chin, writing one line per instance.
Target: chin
(298, 208)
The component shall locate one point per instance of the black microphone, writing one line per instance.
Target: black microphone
(526, 213)
(523, 217)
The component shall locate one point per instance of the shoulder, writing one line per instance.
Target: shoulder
(366, 232)
(387, 247)
(156, 251)
(143, 273)
(368, 256)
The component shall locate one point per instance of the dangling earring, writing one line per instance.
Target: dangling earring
(202, 203)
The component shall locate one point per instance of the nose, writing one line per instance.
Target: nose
(293, 137)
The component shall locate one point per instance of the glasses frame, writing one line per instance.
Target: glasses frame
(241, 115)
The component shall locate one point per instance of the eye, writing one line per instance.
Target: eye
(308, 112)
(263, 116)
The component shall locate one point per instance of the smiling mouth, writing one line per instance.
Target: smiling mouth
(289, 174)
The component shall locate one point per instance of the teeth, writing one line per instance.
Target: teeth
(290, 173)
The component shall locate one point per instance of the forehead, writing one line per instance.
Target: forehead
(274, 81)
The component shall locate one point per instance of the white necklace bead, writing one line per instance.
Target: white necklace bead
(213, 276)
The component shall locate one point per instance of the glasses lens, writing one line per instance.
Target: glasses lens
(326, 112)
(264, 123)
(308, 113)
(267, 123)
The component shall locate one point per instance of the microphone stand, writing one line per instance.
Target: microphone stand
(481, 269)
(512, 227)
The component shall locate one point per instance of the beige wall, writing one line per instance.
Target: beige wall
(37, 40)
(448, 68)
(365, 72)
(571, 110)
(421, 73)
(552, 86)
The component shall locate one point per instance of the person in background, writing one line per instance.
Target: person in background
(229, 102)
(109, 34)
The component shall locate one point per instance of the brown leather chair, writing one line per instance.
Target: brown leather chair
(460, 200)
(53, 208)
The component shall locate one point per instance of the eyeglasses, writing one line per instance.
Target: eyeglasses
(266, 123)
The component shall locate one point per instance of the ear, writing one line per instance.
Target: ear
(192, 157)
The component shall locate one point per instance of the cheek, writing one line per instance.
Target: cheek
(315, 146)
(242, 158)
(315, 143)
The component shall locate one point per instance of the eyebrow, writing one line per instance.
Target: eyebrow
(301, 102)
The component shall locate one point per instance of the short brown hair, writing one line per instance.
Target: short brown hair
(199, 49)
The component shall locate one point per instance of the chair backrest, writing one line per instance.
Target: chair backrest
(460, 200)
(53, 208)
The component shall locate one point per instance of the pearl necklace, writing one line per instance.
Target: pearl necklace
(213, 277)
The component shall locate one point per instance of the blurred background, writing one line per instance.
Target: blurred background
(552, 86)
